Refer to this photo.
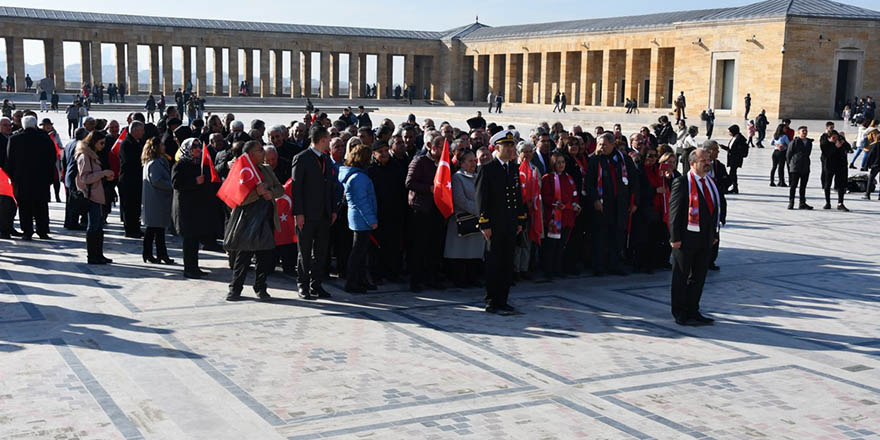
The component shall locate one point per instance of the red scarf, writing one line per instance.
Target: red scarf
(530, 182)
(694, 201)
(661, 201)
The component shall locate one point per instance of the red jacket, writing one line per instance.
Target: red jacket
(569, 194)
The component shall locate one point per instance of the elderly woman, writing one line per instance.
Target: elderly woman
(193, 204)
(524, 252)
(89, 180)
(464, 247)
(560, 197)
(360, 197)
(156, 195)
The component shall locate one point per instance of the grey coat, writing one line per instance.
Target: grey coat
(157, 193)
(464, 201)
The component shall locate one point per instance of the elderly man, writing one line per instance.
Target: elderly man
(694, 220)
(248, 241)
(427, 224)
(237, 133)
(131, 179)
(286, 150)
(31, 166)
(298, 131)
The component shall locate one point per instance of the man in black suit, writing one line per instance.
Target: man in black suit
(31, 166)
(694, 218)
(719, 175)
(502, 214)
(544, 146)
(314, 185)
(131, 179)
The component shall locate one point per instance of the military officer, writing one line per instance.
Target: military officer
(502, 214)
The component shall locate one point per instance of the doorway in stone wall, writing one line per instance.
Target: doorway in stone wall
(845, 88)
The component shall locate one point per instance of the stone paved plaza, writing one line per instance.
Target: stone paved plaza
(131, 351)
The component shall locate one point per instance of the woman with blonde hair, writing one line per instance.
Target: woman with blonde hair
(360, 196)
(157, 195)
(89, 180)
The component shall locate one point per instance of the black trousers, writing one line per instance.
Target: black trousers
(385, 260)
(761, 135)
(240, 270)
(499, 267)
(157, 235)
(7, 214)
(357, 260)
(747, 112)
(689, 268)
(427, 247)
(191, 252)
(552, 251)
(607, 241)
(286, 255)
(130, 210)
(710, 127)
(778, 166)
(733, 178)
(798, 181)
(314, 241)
(30, 211)
(872, 176)
(834, 179)
(340, 244)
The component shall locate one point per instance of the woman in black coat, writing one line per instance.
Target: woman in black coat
(737, 150)
(193, 205)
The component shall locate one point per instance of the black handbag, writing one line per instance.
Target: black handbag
(78, 202)
(466, 224)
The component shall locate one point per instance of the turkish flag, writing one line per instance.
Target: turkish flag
(114, 152)
(443, 183)
(284, 206)
(206, 160)
(242, 179)
(6, 186)
(58, 150)
(531, 193)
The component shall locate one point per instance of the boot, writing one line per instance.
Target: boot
(91, 246)
(162, 250)
(99, 248)
(148, 247)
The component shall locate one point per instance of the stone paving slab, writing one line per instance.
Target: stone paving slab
(135, 351)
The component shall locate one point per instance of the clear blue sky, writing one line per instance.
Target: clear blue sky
(435, 16)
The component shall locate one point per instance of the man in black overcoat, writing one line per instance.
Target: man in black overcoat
(131, 171)
(30, 163)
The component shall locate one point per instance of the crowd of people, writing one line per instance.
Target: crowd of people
(369, 203)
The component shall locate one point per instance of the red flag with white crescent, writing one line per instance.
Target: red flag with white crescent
(58, 150)
(6, 186)
(243, 178)
(443, 183)
(114, 152)
(206, 160)
(284, 205)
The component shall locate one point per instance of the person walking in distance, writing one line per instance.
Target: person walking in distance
(502, 213)
(694, 218)
(314, 186)
(491, 101)
(798, 160)
(748, 103)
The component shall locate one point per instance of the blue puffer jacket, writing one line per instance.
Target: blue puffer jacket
(360, 197)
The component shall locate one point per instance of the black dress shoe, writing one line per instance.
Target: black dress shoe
(320, 292)
(805, 206)
(687, 322)
(264, 296)
(192, 274)
(44, 236)
(714, 266)
(27, 237)
(507, 308)
(703, 319)
(15, 233)
(840, 207)
(827, 206)
(772, 184)
(306, 295)
(231, 296)
(783, 185)
(491, 309)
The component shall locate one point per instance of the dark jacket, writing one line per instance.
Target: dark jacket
(364, 120)
(286, 152)
(833, 158)
(194, 206)
(31, 164)
(389, 182)
(798, 156)
(678, 218)
(615, 204)
(499, 198)
(419, 182)
(130, 167)
(737, 150)
(314, 186)
(872, 161)
(722, 182)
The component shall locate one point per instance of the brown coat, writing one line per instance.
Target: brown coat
(89, 174)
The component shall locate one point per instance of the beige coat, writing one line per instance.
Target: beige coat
(89, 174)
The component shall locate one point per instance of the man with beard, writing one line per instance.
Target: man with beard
(694, 218)
(502, 214)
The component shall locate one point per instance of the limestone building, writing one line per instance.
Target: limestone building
(797, 58)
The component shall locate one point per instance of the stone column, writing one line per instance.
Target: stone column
(493, 72)
(583, 96)
(54, 50)
(265, 86)
(509, 78)
(120, 63)
(608, 80)
(249, 69)
(333, 74)
(155, 73)
(631, 89)
(526, 79)
(131, 70)
(218, 71)
(478, 91)
(354, 78)
(307, 73)
(278, 71)
(409, 66)
(167, 72)
(201, 72)
(295, 74)
(545, 93)
(325, 75)
(362, 75)
(85, 63)
(233, 71)
(186, 66)
(96, 64)
(656, 89)
(564, 78)
(381, 75)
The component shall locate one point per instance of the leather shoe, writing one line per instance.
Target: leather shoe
(304, 294)
(491, 309)
(840, 207)
(192, 274)
(320, 292)
(690, 322)
(714, 266)
(27, 237)
(44, 236)
(15, 233)
(233, 296)
(804, 206)
(264, 296)
(507, 308)
(703, 318)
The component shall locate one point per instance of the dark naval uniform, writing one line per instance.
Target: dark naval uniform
(501, 208)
